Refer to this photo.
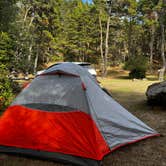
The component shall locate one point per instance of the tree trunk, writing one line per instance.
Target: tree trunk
(36, 60)
(30, 45)
(30, 53)
(151, 47)
(101, 45)
(162, 71)
(26, 13)
(106, 46)
(129, 37)
(31, 21)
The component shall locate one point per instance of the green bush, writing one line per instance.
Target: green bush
(137, 74)
(137, 65)
(8, 89)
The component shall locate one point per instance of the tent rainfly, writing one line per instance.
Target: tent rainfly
(64, 115)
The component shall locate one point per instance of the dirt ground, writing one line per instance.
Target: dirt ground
(131, 94)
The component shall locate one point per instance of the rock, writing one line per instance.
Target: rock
(156, 93)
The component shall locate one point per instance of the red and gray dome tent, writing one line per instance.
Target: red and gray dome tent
(64, 115)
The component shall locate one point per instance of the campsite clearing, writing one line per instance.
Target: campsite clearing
(150, 152)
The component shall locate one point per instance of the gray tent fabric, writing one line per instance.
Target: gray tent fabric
(115, 123)
(54, 90)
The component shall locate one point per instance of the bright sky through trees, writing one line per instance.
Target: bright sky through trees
(90, 1)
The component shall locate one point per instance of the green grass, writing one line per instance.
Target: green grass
(131, 94)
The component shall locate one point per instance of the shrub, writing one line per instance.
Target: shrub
(137, 65)
(135, 73)
(8, 89)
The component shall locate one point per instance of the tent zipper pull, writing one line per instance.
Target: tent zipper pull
(83, 86)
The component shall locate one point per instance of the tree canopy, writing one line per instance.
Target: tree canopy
(102, 32)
